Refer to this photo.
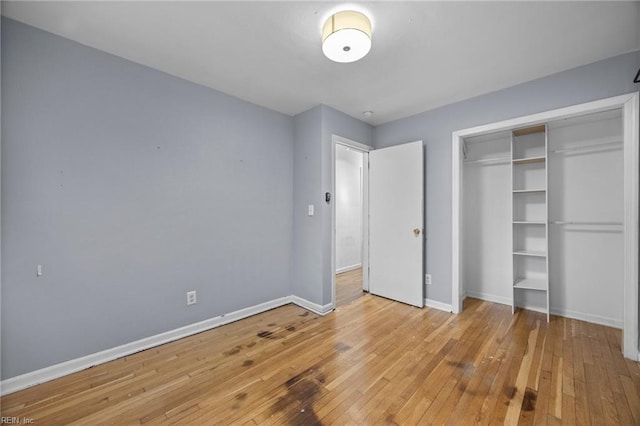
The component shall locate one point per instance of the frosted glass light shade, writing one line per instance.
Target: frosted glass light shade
(346, 36)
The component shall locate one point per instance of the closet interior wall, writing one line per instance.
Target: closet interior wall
(486, 212)
(586, 206)
(584, 222)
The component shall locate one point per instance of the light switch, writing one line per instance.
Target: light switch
(39, 271)
(310, 213)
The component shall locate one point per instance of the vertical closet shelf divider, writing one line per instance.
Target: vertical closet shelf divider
(530, 235)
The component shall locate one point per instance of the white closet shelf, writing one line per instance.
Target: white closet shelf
(531, 284)
(528, 160)
(564, 222)
(529, 222)
(529, 179)
(602, 145)
(524, 191)
(493, 160)
(530, 253)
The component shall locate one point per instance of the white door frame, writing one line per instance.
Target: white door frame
(364, 149)
(629, 104)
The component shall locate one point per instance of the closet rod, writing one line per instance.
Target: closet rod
(496, 160)
(562, 222)
(597, 146)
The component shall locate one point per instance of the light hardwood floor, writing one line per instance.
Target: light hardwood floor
(372, 361)
(348, 287)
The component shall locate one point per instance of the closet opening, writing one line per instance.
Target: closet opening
(546, 214)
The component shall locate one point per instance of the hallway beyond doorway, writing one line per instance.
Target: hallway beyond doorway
(348, 287)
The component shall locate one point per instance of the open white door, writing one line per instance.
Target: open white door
(395, 223)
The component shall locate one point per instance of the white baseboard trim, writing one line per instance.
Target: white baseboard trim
(533, 309)
(430, 303)
(313, 307)
(46, 374)
(489, 297)
(348, 268)
(596, 319)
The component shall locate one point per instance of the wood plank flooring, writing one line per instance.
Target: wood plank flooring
(372, 361)
(348, 286)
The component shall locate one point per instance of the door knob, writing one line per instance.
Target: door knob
(416, 231)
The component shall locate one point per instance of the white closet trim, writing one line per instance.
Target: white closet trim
(631, 185)
(630, 106)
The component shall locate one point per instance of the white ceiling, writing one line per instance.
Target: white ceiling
(424, 54)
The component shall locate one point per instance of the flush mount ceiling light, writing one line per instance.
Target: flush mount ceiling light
(346, 36)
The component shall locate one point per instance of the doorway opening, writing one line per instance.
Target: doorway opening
(350, 221)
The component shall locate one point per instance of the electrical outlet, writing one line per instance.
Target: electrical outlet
(191, 297)
(427, 279)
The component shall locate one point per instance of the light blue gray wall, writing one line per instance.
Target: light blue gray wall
(598, 80)
(130, 187)
(307, 270)
(312, 270)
